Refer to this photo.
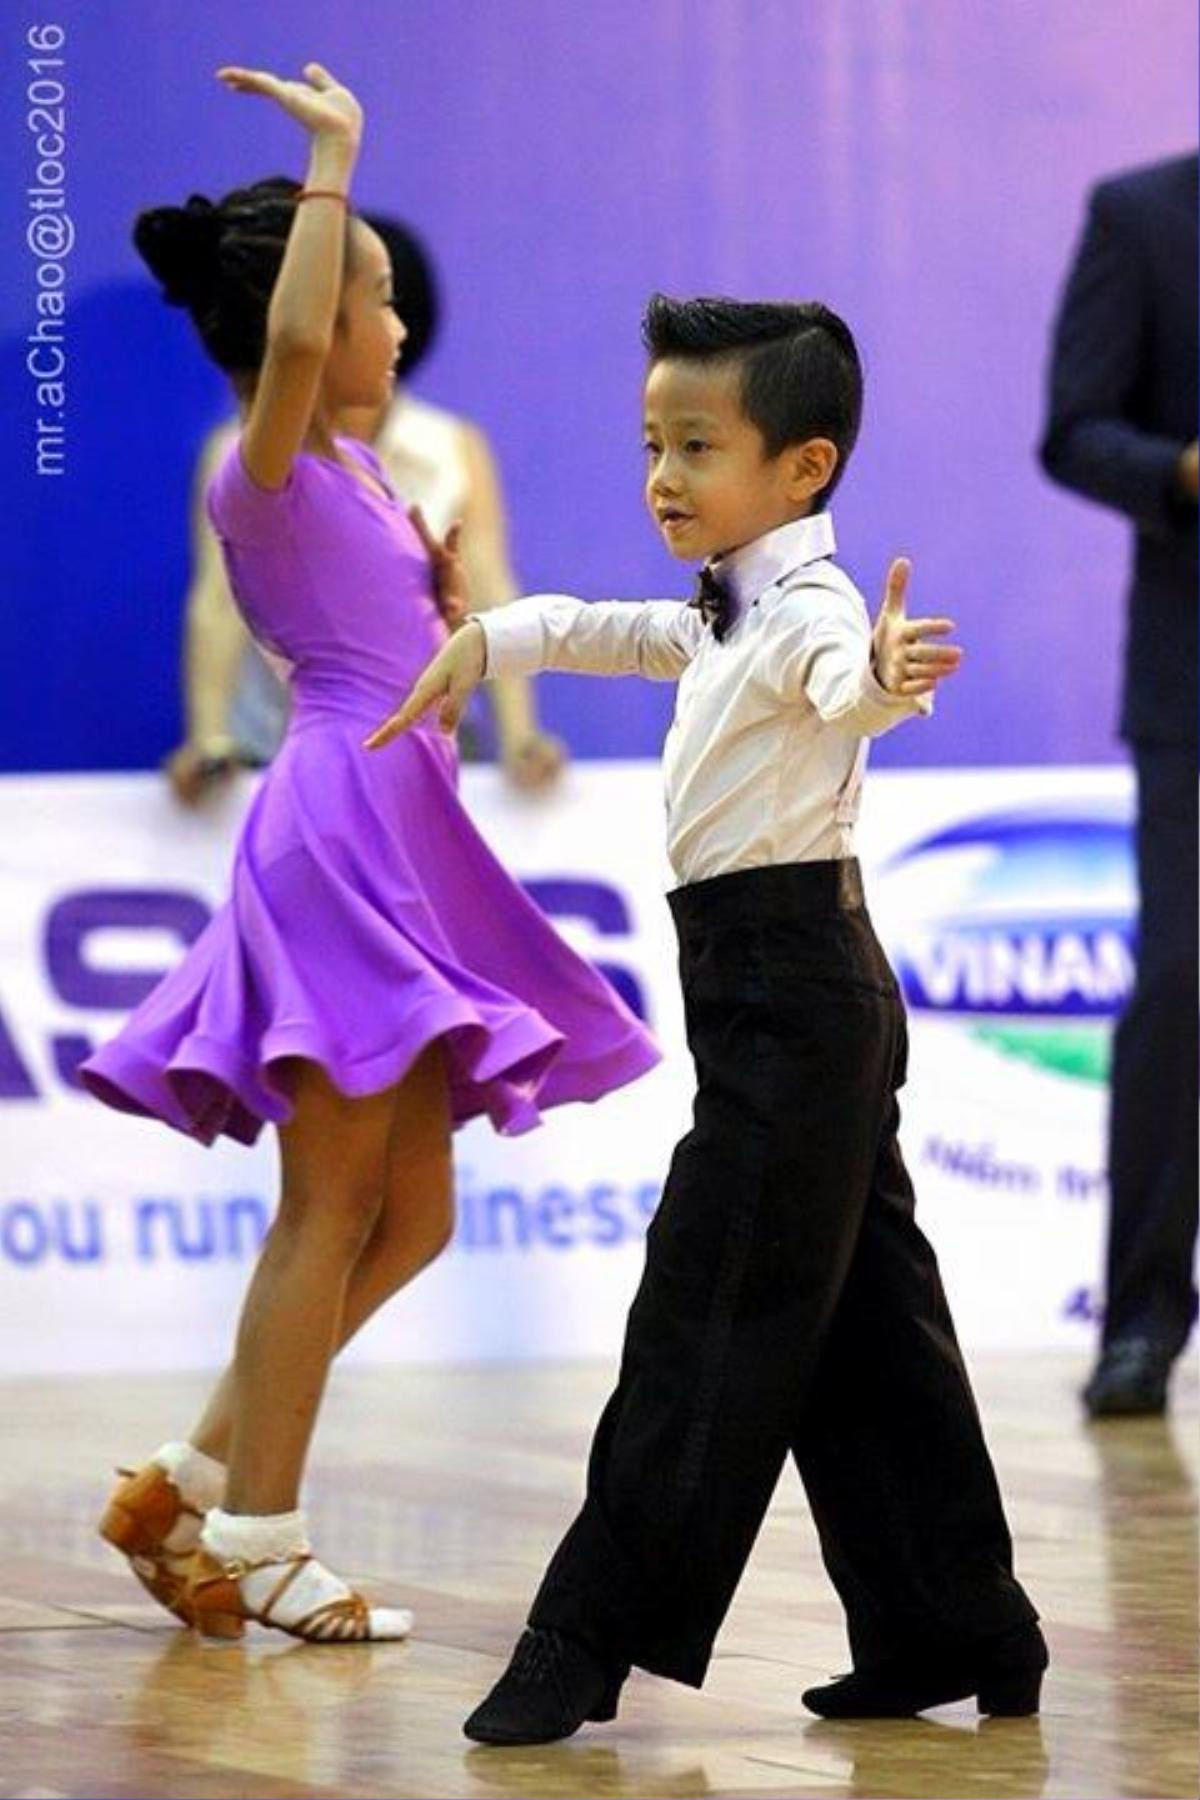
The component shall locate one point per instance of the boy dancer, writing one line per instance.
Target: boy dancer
(789, 1301)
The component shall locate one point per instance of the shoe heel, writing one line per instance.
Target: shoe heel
(1011, 1696)
(212, 1609)
(221, 1627)
(605, 1708)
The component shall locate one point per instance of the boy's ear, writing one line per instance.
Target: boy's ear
(811, 466)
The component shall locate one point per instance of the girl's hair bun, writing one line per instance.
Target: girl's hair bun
(221, 259)
(181, 245)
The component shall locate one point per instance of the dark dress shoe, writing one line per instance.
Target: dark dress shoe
(551, 1687)
(1003, 1674)
(1129, 1379)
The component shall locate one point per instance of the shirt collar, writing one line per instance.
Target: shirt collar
(769, 559)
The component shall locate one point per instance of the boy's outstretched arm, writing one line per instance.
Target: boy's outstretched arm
(653, 638)
(867, 681)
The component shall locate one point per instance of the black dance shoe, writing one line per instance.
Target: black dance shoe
(552, 1686)
(1130, 1380)
(1003, 1674)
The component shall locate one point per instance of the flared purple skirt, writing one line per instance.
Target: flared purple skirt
(367, 918)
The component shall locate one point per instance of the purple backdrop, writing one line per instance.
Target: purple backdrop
(920, 164)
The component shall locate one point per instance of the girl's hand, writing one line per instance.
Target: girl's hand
(447, 567)
(448, 683)
(194, 770)
(534, 762)
(322, 105)
(904, 661)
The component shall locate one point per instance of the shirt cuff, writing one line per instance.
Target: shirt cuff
(512, 637)
(875, 694)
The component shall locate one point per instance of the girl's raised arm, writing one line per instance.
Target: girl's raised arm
(304, 304)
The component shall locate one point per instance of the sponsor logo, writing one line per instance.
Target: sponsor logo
(1021, 924)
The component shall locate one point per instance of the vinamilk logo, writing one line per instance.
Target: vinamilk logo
(1021, 924)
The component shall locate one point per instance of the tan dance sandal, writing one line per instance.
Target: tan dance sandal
(214, 1603)
(141, 1514)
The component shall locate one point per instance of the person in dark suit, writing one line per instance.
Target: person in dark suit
(1122, 430)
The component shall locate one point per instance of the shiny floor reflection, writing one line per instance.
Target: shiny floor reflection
(446, 1489)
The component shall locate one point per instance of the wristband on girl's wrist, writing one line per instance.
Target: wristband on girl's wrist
(217, 747)
(322, 194)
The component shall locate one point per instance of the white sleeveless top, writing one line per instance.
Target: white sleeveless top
(423, 449)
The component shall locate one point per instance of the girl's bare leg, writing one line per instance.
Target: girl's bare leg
(333, 1159)
(413, 1221)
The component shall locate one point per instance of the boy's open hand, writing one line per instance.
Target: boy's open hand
(447, 683)
(904, 659)
(318, 102)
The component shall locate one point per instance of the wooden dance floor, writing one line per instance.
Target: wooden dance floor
(445, 1489)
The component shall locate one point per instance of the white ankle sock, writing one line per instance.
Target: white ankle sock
(275, 1538)
(201, 1482)
(199, 1478)
(251, 1538)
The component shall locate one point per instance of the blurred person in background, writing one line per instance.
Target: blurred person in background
(1122, 430)
(235, 701)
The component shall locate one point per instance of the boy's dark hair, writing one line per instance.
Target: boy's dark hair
(221, 261)
(801, 374)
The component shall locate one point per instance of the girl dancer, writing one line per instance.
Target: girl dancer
(375, 978)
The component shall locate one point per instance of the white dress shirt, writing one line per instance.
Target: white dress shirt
(765, 757)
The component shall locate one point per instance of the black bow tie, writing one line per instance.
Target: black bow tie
(714, 600)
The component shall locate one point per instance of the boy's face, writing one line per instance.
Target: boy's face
(710, 485)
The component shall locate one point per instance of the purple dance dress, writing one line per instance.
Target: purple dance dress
(367, 916)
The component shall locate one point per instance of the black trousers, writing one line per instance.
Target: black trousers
(1152, 1119)
(789, 1304)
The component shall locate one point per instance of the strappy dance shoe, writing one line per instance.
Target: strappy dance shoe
(143, 1511)
(213, 1601)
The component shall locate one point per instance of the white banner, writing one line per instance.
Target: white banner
(1004, 897)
